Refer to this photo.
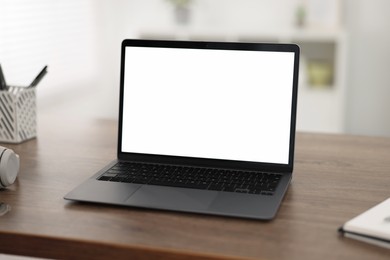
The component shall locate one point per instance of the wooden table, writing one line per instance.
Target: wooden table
(336, 177)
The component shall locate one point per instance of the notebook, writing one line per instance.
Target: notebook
(204, 127)
(371, 226)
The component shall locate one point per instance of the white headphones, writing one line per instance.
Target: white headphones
(9, 166)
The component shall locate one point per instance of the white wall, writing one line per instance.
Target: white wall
(368, 97)
(83, 52)
(60, 34)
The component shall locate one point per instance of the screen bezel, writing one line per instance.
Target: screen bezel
(218, 163)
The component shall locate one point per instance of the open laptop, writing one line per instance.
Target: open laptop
(204, 127)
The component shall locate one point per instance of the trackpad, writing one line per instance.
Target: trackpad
(172, 198)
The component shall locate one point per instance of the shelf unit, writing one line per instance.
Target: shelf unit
(320, 108)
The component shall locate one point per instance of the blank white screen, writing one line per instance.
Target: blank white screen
(219, 104)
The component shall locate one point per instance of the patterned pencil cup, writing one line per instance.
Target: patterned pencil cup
(18, 115)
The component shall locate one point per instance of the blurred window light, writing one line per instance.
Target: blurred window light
(60, 34)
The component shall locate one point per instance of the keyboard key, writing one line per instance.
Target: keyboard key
(104, 178)
(241, 190)
(217, 187)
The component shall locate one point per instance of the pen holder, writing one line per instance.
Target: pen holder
(17, 115)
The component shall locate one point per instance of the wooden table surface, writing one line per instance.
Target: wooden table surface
(336, 177)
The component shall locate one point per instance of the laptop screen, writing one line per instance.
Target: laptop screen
(207, 103)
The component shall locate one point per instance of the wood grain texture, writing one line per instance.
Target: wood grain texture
(336, 177)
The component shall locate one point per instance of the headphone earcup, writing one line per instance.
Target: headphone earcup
(9, 167)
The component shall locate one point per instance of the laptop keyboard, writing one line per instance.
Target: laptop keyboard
(252, 182)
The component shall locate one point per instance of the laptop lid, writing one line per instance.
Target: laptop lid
(213, 104)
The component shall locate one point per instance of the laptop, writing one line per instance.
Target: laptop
(204, 127)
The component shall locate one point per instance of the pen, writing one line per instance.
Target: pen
(39, 77)
(3, 84)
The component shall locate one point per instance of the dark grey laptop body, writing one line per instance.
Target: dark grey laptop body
(255, 206)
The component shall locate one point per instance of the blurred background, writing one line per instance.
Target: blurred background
(344, 71)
